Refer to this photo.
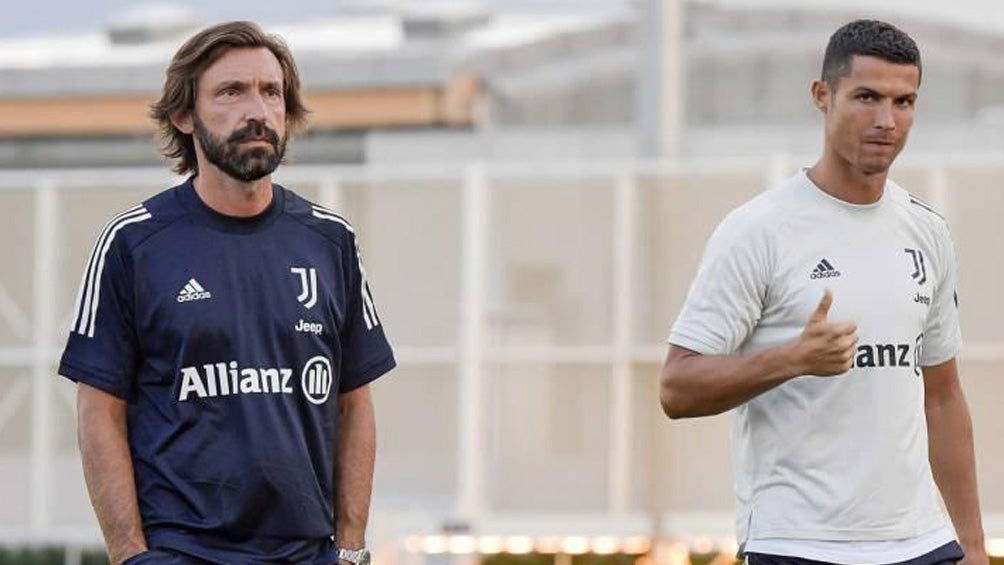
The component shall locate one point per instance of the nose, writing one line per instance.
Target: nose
(884, 116)
(255, 107)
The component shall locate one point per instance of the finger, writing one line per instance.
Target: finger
(846, 360)
(847, 328)
(823, 308)
(848, 343)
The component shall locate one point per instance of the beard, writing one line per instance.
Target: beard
(247, 164)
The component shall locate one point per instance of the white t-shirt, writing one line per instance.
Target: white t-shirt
(839, 458)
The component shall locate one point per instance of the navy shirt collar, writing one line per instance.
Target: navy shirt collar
(235, 224)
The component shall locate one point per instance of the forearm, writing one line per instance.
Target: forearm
(702, 385)
(953, 462)
(108, 472)
(355, 457)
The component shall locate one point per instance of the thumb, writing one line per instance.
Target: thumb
(819, 315)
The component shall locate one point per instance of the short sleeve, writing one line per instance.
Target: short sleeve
(942, 335)
(101, 348)
(366, 354)
(727, 296)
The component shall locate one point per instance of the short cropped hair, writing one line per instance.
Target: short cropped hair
(194, 57)
(870, 38)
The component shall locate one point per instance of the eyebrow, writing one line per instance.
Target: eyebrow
(872, 91)
(244, 84)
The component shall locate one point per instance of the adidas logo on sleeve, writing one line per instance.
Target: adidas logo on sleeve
(824, 270)
(193, 291)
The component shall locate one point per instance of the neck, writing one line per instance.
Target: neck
(839, 179)
(232, 197)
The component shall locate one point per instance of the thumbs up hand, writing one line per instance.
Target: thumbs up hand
(825, 348)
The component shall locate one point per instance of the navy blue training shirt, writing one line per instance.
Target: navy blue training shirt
(230, 339)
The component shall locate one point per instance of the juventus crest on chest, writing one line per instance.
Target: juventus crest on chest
(308, 285)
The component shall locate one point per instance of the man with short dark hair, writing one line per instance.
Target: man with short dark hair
(225, 337)
(843, 431)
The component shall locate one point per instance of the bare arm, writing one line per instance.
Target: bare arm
(108, 471)
(950, 446)
(694, 385)
(355, 457)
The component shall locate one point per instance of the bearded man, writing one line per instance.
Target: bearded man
(225, 337)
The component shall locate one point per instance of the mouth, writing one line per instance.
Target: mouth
(256, 143)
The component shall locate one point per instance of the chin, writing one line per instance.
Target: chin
(258, 153)
(874, 167)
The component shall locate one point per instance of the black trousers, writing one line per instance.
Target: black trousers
(948, 554)
(161, 557)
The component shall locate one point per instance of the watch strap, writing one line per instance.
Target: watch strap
(350, 555)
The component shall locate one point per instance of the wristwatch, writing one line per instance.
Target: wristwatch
(354, 556)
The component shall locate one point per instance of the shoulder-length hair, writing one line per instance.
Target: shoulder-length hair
(188, 64)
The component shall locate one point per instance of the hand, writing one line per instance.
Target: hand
(825, 348)
(975, 556)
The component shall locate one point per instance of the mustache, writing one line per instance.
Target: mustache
(254, 130)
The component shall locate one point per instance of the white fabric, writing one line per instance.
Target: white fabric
(855, 552)
(837, 458)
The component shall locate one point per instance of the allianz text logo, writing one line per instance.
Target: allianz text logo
(889, 355)
(213, 380)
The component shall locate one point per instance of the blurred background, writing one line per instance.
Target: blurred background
(533, 183)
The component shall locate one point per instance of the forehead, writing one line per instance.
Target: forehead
(881, 76)
(255, 64)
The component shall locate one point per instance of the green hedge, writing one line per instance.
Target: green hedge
(47, 556)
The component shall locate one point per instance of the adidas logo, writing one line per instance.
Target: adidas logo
(193, 291)
(824, 270)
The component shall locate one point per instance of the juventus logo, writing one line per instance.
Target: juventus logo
(308, 285)
(919, 269)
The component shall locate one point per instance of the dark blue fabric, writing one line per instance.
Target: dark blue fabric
(947, 554)
(161, 557)
(232, 412)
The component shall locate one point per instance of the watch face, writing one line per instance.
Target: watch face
(364, 557)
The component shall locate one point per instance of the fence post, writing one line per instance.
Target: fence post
(625, 212)
(471, 418)
(42, 378)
